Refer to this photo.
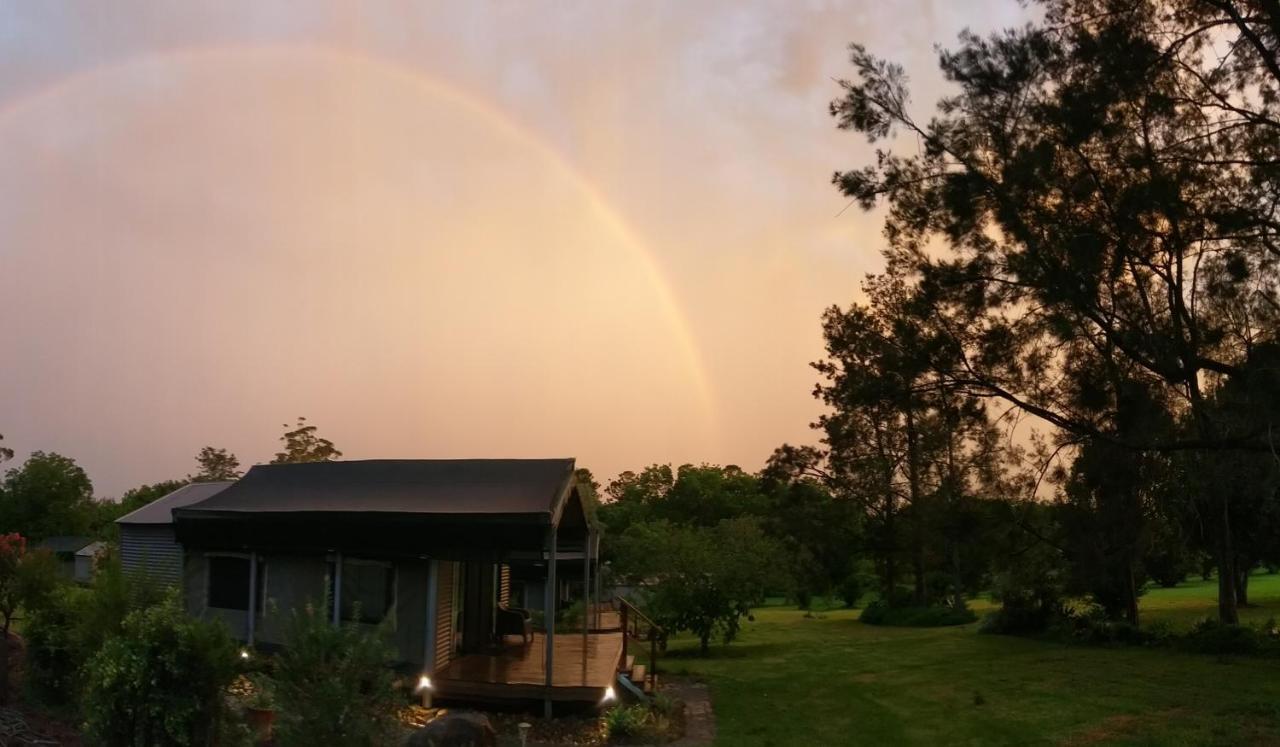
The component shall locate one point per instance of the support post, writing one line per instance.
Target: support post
(429, 645)
(549, 615)
(337, 590)
(253, 599)
(587, 611)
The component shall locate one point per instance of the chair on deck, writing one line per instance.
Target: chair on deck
(515, 621)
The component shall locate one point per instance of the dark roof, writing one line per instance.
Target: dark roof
(160, 511)
(64, 543)
(456, 487)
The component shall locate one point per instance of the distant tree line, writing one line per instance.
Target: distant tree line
(50, 495)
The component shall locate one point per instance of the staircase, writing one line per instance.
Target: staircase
(638, 629)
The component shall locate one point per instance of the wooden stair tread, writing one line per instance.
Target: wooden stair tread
(637, 674)
(629, 663)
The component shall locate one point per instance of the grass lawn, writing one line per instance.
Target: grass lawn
(830, 680)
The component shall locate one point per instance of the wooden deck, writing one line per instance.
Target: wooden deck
(519, 672)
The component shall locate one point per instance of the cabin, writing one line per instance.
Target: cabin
(428, 547)
(64, 549)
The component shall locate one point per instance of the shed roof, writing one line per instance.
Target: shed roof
(91, 550)
(530, 488)
(160, 511)
(64, 543)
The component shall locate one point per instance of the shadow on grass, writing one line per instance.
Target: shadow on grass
(723, 651)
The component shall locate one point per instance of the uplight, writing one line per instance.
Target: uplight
(609, 695)
(424, 683)
(244, 653)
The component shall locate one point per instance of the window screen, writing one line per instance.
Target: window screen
(368, 586)
(229, 582)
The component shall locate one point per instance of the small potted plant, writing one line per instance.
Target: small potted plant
(260, 708)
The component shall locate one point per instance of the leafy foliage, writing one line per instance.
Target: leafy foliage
(48, 495)
(334, 684)
(162, 681)
(304, 444)
(216, 464)
(704, 579)
(880, 612)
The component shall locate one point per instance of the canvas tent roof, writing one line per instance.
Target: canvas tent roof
(160, 510)
(449, 508)
(455, 487)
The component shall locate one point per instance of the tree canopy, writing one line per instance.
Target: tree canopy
(304, 444)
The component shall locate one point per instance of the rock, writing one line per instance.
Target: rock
(456, 730)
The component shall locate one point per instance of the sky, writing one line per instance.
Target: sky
(603, 230)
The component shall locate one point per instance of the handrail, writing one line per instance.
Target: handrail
(636, 610)
(632, 614)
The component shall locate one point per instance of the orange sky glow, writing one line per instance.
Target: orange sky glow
(601, 230)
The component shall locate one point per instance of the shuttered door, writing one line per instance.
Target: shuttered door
(504, 585)
(151, 551)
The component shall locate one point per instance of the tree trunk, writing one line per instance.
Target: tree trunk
(1227, 612)
(957, 596)
(917, 510)
(705, 644)
(1242, 583)
(1131, 595)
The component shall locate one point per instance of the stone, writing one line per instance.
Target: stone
(456, 730)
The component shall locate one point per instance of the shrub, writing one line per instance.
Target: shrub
(852, 588)
(73, 623)
(879, 613)
(334, 684)
(1212, 637)
(626, 722)
(160, 682)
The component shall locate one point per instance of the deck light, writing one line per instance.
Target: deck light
(244, 653)
(424, 683)
(609, 695)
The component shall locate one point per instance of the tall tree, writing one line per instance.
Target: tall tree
(216, 464)
(1104, 180)
(303, 444)
(5, 452)
(48, 495)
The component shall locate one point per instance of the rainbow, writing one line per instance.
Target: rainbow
(425, 85)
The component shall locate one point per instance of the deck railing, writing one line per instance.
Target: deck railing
(638, 627)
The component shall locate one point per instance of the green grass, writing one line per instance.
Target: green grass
(830, 680)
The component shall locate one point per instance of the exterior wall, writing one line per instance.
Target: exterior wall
(84, 568)
(195, 591)
(150, 549)
(444, 613)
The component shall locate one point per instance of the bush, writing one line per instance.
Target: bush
(162, 681)
(852, 588)
(1212, 637)
(880, 613)
(626, 722)
(335, 685)
(73, 623)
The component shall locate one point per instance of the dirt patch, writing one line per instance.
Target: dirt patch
(1120, 725)
(699, 717)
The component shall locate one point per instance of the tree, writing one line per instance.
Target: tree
(701, 495)
(26, 580)
(5, 452)
(219, 464)
(302, 444)
(48, 495)
(705, 578)
(1103, 181)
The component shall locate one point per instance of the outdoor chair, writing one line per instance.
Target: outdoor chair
(515, 621)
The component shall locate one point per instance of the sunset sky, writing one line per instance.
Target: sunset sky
(601, 229)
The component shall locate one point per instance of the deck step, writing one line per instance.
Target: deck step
(637, 674)
(651, 686)
(629, 663)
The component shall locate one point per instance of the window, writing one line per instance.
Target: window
(367, 585)
(229, 582)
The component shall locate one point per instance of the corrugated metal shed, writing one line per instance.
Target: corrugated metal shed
(147, 543)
